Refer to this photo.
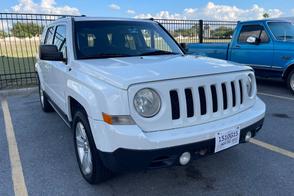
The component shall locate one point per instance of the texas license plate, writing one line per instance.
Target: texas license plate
(226, 139)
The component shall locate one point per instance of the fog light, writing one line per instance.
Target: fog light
(185, 158)
(248, 136)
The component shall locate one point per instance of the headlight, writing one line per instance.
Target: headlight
(147, 102)
(250, 84)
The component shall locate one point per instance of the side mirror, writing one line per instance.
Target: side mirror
(184, 47)
(50, 53)
(252, 40)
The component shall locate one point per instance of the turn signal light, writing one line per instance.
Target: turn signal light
(117, 119)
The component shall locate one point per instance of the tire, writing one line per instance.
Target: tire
(45, 105)
(290, 81)
(92, 168)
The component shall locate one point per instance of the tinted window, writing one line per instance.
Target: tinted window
(60, 39)
(49, 35)
(253, 30)
(106, 39)
(283, 31)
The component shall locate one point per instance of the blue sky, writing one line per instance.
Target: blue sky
(213, 9)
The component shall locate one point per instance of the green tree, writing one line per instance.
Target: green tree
(26, 29)
(222, 32)
(187, 32)
(266, 15)
(3, 34)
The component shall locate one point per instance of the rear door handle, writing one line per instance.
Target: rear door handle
(238, 46)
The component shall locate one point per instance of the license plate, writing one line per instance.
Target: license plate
(226, 139)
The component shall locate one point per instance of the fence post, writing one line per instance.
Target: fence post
(200, 31)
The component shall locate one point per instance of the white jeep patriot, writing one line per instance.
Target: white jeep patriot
(134, 99)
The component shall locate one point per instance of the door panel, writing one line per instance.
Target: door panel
(258, 55)
(46, 66)
(59, 69)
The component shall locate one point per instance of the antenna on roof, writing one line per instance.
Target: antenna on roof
(83, 15)
(151, 19)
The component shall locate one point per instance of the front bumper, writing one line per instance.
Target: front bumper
(130, 160)
(109, 138)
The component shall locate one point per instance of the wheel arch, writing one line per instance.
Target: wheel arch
(73, 106)
(287, 71)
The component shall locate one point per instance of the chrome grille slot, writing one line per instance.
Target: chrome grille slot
(203, 109)
(225, 96)
(241, 92)
(214, 98)
(233, 93)
(175, 105)
(189, 102)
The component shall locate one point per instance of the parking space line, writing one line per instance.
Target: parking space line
(272, 148)
(276, 96)
(15, 162)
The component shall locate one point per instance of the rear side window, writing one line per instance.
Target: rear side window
(60, 39)
(253, 30)
(49, 35)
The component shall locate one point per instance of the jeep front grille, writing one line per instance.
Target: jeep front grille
(207, 99)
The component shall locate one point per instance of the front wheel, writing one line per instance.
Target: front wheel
(46, 106)
(290, 81)
(90, 164)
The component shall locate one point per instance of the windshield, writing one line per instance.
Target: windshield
(106, 39)
(283, 31)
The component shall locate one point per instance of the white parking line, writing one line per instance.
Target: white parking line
(19, 185)
(272, 148)
(276, 96)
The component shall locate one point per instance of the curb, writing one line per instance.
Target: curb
(21, 91)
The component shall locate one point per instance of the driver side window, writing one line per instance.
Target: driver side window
(253, 30)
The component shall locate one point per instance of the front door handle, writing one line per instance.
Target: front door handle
(238, 46)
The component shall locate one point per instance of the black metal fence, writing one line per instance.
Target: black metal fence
(20, 36)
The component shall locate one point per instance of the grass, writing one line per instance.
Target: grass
(17, 61)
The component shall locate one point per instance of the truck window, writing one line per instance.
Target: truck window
(283, 31)
(60, 39)
(253, 30)
(49, 35)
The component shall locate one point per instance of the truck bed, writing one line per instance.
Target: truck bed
(218, 50)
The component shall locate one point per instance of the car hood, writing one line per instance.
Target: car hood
(123, 72)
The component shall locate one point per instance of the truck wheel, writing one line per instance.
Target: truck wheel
(290, 81)
(90, 164)
(46, 106)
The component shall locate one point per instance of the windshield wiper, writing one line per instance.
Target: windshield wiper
(102, 55)
(157, 52)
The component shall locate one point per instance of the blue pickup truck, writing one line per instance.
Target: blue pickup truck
(266, 45)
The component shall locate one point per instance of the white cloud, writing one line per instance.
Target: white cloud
(214, 11)
(160, 15)
(190, 11)
(45, 6)
(114, 6)
(129, 11)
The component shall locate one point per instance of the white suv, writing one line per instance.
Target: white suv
(134, 99)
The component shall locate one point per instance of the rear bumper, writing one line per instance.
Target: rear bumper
(129, 160)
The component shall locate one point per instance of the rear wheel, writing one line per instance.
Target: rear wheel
(290, 81)
(90, 164)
